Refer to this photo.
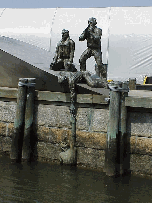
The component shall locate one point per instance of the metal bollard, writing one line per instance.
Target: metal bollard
(17, 139)
(29, 111)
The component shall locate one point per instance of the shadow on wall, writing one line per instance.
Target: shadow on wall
(12, 69)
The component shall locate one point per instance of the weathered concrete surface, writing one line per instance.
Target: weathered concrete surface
(100, 120)
(83, 118)
(48, 151)
(53, 116)
(52, 123)
(53, 135)
(139, 98)
(5, 144)
(88, 119)
(7, 111)
(90, 157)
(141, 164)
(3, 129)
(9, 129)
(139, 124)
(91, 140)
(141, 145)
(60, 136)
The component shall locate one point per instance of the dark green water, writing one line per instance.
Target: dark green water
(44, 182)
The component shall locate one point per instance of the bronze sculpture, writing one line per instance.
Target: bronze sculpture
(64, 54)
(93, 36)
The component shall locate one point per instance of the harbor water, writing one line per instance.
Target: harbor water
(45, 183)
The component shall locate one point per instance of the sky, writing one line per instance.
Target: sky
(72, 3)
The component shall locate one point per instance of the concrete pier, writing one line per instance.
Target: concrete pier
(53, 128)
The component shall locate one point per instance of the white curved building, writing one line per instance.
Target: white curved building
(126, 40)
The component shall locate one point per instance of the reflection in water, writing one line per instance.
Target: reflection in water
(44, 182)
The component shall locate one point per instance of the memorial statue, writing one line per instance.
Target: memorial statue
(93, 36)
(64, 54)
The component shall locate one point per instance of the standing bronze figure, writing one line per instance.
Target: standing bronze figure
(93, 36)
(64, 54)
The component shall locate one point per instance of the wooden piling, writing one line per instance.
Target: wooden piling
(111, 152)
(28, 130)
(124, 139)
(17, 139)
(117, 148)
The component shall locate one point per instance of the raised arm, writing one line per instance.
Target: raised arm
(83, 36)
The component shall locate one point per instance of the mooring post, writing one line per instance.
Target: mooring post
(124, 139)
(132, 83)
(17, 139)
(29, 114)
(112, 165)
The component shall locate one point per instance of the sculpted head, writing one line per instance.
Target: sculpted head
(65, 34)
(92, 22)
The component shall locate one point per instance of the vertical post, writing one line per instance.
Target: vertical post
(117, 150)
(111, 154)
(124, 139)
(29, 111)
(17, 139)
(132, 83)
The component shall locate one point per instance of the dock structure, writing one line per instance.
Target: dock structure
(132, 113)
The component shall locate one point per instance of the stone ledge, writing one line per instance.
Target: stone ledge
(136, 98)
(139, 98)
(6, 92)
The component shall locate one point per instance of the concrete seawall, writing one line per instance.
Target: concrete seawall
(52, 127)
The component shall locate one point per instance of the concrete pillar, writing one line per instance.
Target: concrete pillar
(29, 114)
(17, 139)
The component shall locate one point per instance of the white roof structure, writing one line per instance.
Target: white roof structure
(126, 40)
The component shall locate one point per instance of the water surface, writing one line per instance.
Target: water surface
(44, 182)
